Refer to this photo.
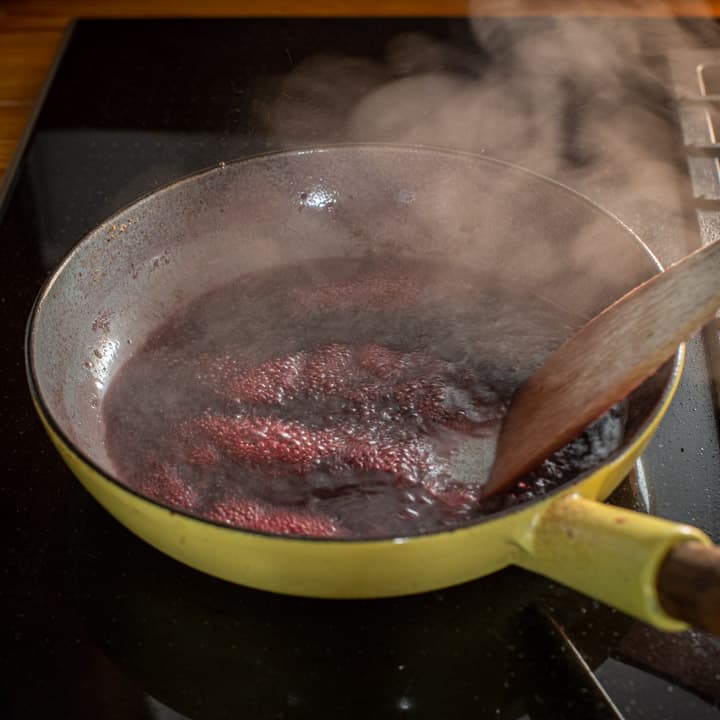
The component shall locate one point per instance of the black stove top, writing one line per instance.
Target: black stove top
(99, 625)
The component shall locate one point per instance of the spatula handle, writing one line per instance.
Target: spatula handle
(688, 585)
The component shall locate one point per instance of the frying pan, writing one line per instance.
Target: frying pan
(133, 271)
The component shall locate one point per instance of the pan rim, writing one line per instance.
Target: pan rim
(42, 297)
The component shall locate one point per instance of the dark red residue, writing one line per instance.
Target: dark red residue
(404, 383)
(379, 290)
(164, 484)
(256, 516)
(366, 410)
(101, 322)
(268, 441)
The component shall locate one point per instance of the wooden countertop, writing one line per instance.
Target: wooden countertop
(30, 30)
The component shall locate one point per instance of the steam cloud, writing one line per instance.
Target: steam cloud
(571, 98)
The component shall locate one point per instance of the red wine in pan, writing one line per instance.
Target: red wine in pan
(339, 398)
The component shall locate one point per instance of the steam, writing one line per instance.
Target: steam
(574, 99)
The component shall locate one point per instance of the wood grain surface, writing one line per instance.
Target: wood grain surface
(689, 585)
(30, 30)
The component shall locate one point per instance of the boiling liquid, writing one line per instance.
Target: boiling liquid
(347, 397)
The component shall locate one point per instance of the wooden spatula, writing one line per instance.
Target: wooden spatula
(603, 362)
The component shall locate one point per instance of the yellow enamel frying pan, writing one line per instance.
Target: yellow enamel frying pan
(138, 267)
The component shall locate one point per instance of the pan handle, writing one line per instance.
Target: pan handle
(650, 568)
(688, 585)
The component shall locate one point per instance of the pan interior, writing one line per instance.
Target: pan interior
(133, 272)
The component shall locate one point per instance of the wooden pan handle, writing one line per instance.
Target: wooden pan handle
(688, 585)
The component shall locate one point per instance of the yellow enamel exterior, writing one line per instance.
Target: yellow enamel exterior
(606, 552)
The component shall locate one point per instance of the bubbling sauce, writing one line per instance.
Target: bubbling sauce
(339, 398)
